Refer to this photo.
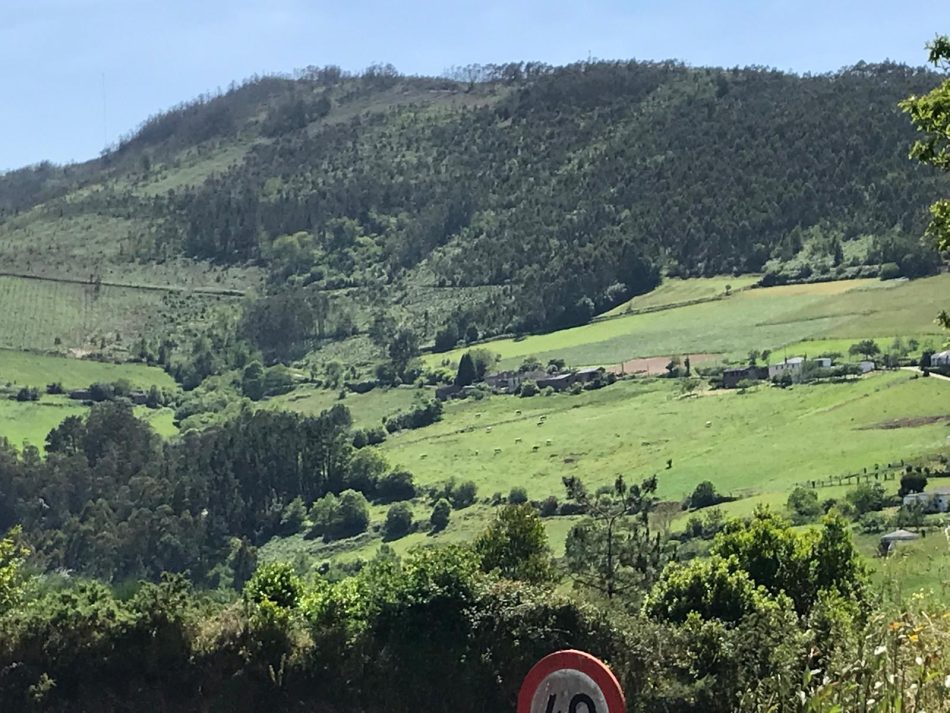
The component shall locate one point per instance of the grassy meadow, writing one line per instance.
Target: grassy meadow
(757, 447)
(761, 318)
(675, 291)
(22, 423)
(367, 409)
(29, 422)
(761, 442)
(27, 369)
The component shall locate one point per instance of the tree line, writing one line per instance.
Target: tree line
(111, 500)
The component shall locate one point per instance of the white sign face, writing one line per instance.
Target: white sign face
(568, 691)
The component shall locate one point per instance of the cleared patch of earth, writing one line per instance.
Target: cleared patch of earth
(656, 365)
(908, 422)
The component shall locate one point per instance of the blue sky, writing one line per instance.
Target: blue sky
(76, 74)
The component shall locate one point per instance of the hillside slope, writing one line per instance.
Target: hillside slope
(555, 192)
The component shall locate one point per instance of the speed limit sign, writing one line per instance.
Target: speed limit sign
(570, 682)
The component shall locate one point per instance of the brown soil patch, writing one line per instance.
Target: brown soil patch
(907, 422)
(655, 365)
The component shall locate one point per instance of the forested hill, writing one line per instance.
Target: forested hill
(571, 186)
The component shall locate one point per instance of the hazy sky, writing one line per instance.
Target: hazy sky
(76, 74)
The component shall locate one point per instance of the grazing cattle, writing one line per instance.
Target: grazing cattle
(424, 456)
(535, 447)
(708, 424)
(547, 442)
(517, 440)
(518, 412)
(497, 451)
(488, 429)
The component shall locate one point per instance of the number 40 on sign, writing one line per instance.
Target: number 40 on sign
(570, 682)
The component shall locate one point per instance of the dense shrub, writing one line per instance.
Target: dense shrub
(705, 495)
(517, 496)
(461, 495)
(529, 388)
(441, 513)
(28, 393)
(890, 271)
(335, 517)
(394, 486)
(867, 497)
(803, 504)
(275, 582)
(398, 521)
(713, 588)
(423, 412)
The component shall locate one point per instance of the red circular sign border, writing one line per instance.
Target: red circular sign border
(593, 667)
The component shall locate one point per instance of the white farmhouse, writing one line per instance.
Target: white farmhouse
(792, 366)
(935, 501)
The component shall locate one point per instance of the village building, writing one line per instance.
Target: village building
(732, 377)
(937, 500)
(890, 540)
(558, 382)
(792, 366)
(866, 366)
(940, 359)
(511, 381)
(588, 373)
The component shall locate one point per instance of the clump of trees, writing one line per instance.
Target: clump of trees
(335, 517)
(423, 412)
(705, 495)
(460, 494)
(117, 502)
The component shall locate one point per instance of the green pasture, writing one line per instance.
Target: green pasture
(762, 318)
(674, 291)
(28, 369)
(757, 447)
(759, 443)
(920, 566)
(28, 422)
(161, 420)
(367, 409)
